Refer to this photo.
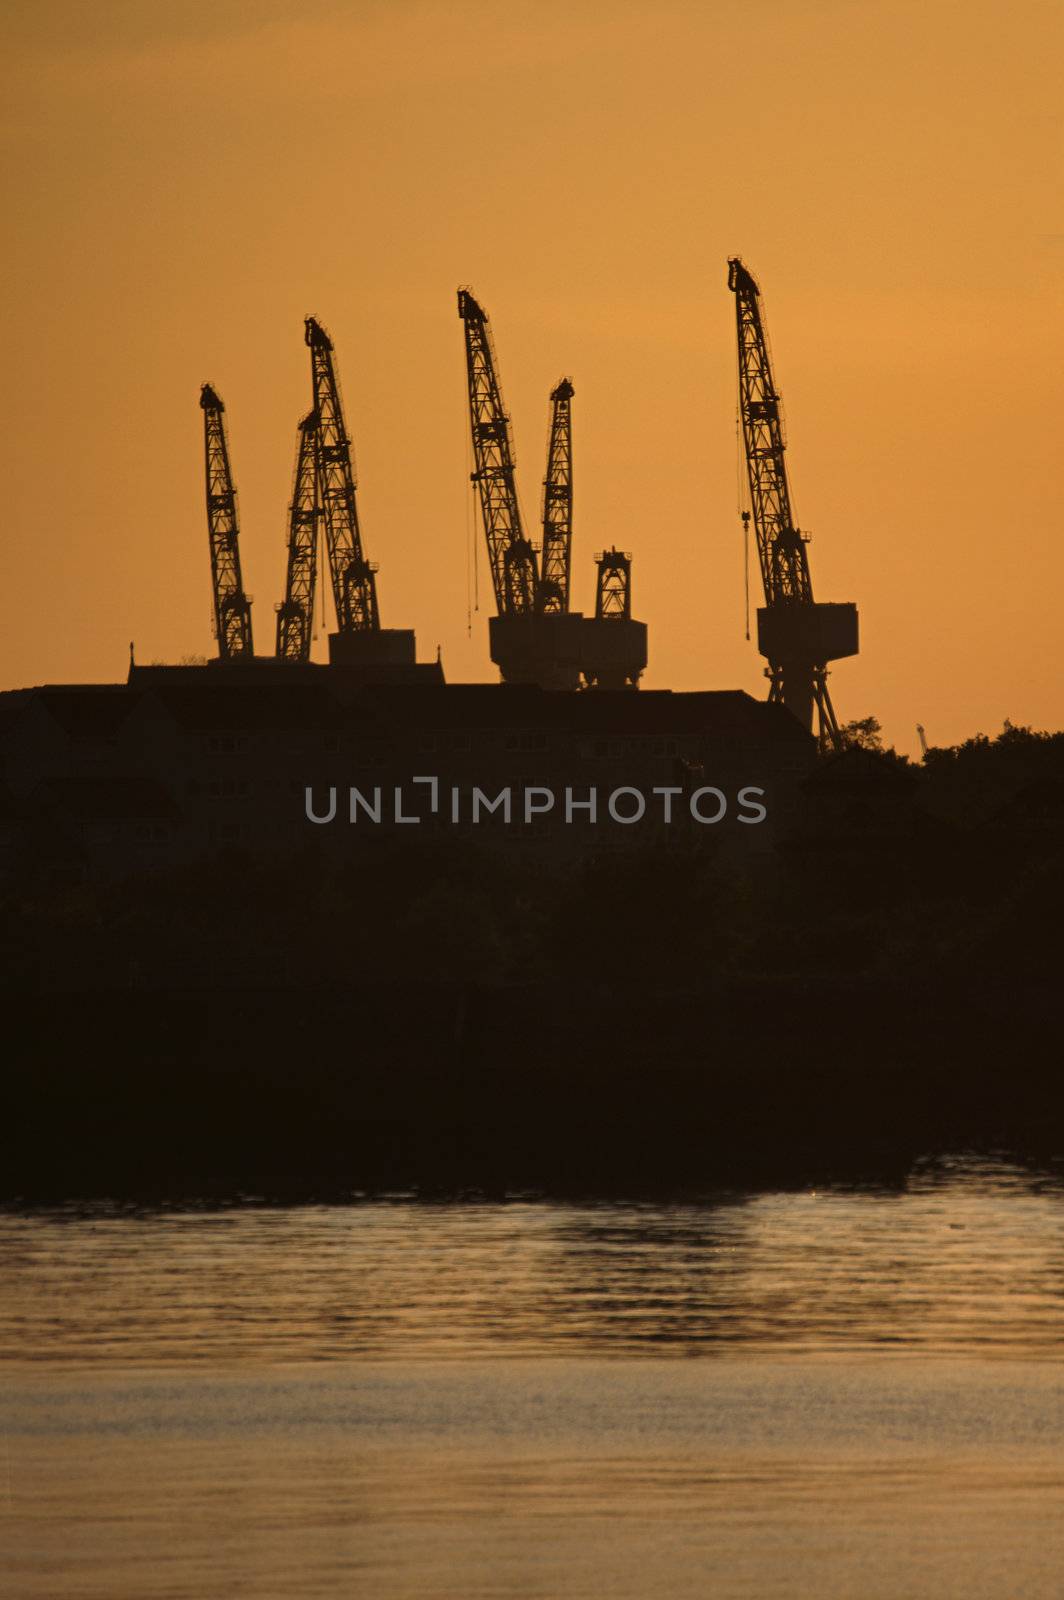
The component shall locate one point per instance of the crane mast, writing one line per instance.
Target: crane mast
(295, 614)
(796, 634)
(354, 582)
(558, 502)
(613, 587)
(512, 558)
(232, 608)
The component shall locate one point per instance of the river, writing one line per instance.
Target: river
(830, 1394)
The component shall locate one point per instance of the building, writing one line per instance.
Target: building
(180, 763)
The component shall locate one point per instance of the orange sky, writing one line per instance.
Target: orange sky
(187, 183)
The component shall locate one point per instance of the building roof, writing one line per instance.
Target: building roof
(200, 700)
(85, 710)
(724, 713)
(343, 678)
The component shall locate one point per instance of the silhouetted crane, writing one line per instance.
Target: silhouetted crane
(797, 635)
(535, 636)
(232, 608)
(295, 614)
(354, 582)
(514, 573)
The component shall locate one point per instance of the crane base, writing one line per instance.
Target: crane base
(615, 652)
(380, 647)
(566, 649)
(538, 649)
(815, 633)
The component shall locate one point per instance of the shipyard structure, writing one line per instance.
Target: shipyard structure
(278, 755)
(182, 763)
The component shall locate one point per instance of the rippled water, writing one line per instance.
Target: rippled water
(968, 1259)
(399, 1400)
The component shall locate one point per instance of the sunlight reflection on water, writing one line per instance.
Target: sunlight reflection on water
(968, 1258)
(403, 1401)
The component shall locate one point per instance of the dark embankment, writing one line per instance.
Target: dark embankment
(300, 1093)
(448, 1018)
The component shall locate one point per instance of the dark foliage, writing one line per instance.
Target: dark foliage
(449, 1015)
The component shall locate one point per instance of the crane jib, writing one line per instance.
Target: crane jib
(514, 570)
(232, 608)
(353, 578)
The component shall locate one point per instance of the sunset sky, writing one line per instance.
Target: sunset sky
(186, 183)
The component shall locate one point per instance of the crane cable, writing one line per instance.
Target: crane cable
(324, 570)
(474, 494)
(472, 581)
(744, 514)
(468, 561)
(746, 569)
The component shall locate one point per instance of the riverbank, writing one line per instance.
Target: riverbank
(303, 1092)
